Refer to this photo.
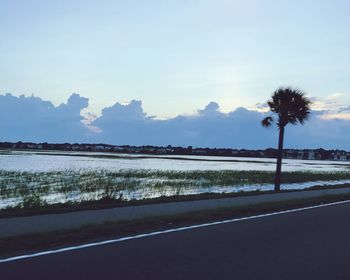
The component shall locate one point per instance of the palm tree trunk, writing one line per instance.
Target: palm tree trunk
(279, 159)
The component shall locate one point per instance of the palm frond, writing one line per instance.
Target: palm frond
(267, 122)
(291, 105)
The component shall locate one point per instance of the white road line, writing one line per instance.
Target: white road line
(73, 248)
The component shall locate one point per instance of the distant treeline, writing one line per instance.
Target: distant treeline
(311, 154)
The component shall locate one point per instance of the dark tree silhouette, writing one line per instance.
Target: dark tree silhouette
(291, 107)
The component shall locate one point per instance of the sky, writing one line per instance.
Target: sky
(96, 67)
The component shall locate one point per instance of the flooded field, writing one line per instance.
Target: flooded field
(58, 161)
(31, 179)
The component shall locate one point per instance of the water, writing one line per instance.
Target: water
(58, 161)
(77, 161)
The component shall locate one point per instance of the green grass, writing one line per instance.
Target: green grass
(35, 189)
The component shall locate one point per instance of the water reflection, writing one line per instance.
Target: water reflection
(39, 162)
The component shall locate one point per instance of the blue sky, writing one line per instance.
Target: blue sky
(176, 56)
(164, 52)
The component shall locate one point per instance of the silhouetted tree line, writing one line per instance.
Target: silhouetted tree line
(317, 154)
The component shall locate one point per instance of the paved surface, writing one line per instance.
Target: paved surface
(311, 244)
(51, 222)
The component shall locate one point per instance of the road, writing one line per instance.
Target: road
(309, 244)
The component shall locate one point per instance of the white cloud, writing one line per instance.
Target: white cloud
(33, 119)
(334, 105)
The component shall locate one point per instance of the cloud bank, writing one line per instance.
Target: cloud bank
(30, 118)
(33, 119)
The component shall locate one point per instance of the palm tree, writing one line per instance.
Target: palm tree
(291, 107)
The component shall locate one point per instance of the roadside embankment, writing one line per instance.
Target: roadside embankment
(10, 227)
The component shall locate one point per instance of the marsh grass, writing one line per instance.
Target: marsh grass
(37, 189)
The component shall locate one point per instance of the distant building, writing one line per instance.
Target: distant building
(311, 155)
(300, 154)
(339, 156)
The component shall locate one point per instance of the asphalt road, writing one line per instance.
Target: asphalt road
(311, 244)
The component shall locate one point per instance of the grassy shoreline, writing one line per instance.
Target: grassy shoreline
(26, 190)
(115, 203)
